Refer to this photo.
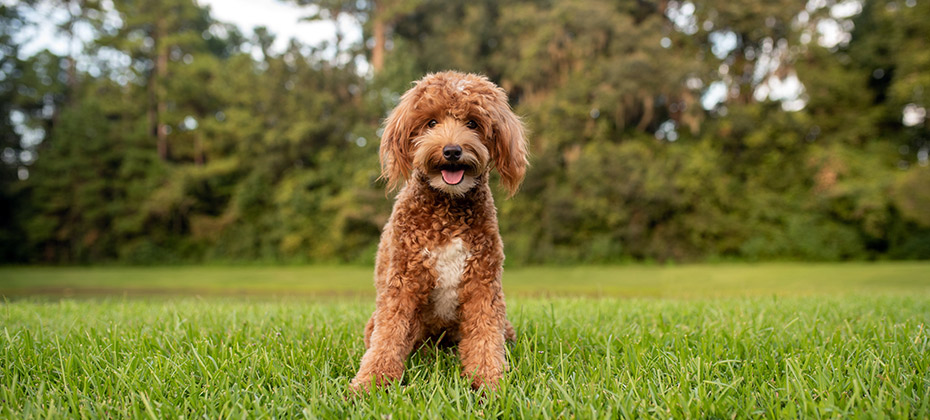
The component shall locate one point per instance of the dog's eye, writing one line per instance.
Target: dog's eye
(471, 124)
(432, 123)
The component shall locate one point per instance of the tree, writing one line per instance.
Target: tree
(378, 17)
(153, 34)
(171, 142)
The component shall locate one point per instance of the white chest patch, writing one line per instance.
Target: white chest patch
(449, 263)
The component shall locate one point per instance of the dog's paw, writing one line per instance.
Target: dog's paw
(510, 335)
(483, 386)
(363, 384)
(485, 382)
(359, 387)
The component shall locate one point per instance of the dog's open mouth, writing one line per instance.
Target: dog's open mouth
(453, 174)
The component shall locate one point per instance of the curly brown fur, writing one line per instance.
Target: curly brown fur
(440, 259)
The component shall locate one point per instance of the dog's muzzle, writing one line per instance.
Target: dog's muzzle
(452, 174)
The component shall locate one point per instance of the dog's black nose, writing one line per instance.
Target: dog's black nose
(452, 152)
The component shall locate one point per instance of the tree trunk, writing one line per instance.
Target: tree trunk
(72, 56)
(198, 151)
(648, 112)
(152, 111)
(161, 108)
(380, 32)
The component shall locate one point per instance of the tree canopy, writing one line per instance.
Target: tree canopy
(660, 130)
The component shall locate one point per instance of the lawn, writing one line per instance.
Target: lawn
(686, 281)
(743, 341)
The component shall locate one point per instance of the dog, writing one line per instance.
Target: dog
(439, 262)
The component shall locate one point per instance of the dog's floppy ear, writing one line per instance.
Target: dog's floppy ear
(509, 145)
(396, 160)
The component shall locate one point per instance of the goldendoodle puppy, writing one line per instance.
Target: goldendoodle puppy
(439, 263)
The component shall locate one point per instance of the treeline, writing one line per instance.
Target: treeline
(660, 130)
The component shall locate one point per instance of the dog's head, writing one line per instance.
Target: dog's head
(452, 127)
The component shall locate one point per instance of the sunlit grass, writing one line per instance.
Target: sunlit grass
(588, 358)
(705, 341)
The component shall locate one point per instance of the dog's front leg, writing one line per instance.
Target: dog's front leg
(483, 316)
(395, 328)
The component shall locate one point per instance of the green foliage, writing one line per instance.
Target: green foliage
(912, 197)
(76, 188)
(187, 147)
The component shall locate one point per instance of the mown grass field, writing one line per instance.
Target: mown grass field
(729, 341)
(687, 281)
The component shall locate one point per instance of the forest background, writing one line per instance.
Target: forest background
(660, 130)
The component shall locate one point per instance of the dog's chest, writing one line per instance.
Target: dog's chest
(448, 261)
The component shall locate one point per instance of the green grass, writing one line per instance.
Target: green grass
(734, 341)
(688, 281)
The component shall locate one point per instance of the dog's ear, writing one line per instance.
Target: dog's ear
(509, 145)
(396, 160)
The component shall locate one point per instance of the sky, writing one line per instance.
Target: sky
(284, 19)
(281, 18)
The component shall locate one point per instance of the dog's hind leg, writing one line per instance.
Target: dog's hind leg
(369, 327)
(509, 333)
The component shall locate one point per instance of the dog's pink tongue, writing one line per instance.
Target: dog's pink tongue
(453, 177)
